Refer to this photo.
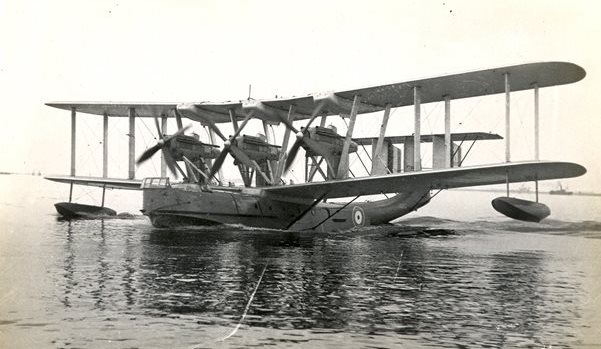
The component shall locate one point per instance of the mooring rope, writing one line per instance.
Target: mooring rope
(245, 309)
(398, 265)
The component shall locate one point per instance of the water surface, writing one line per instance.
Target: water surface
(455, 281)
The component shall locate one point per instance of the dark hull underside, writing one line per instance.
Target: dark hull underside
(71, 210)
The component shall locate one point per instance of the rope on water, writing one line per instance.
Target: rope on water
(245, 309)
(398, 265)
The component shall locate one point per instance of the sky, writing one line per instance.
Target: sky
(183, 51)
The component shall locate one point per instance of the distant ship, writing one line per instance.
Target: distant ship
(560, 191)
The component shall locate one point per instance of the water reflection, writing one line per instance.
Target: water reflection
(68, 266)
(376, 282)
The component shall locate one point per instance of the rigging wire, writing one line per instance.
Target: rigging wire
(431, 129)
(91, 154)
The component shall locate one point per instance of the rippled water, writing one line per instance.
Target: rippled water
(424, 282)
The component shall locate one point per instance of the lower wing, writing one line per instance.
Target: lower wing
(436, 179)
(109, 183)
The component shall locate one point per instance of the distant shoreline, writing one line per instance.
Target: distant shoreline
(576, 193)
(20, 174)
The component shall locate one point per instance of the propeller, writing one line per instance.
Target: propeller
(229, 146)
(163, 144)
(300, 136)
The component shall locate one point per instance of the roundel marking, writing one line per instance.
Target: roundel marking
(358, 216)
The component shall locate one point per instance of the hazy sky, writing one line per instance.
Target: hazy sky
(177, 51)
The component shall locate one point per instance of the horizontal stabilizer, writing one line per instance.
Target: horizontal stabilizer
(455, 137)
(109, 183)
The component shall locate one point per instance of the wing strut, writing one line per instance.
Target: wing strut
(105, 146)
(380, 142)
(73, 148)
(73, 140)
(343, 166)
(302, 214)
(417, 161)
(447, 131)
(333, 214)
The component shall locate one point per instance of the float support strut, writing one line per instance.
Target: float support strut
(536, 127)
(536, 135)
(103, 191)
(132, 143)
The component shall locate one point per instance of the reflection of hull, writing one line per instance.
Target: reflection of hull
(523, 210)
(74, 210)
(188, 206)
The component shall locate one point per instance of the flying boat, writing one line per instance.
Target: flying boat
(265, 200)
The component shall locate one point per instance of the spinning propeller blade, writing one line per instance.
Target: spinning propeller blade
(291, 155)
(227, 147)
(163, 144)
(148, 153)
(217, 164)
(179, 132)
(300, 136)
(170, 162)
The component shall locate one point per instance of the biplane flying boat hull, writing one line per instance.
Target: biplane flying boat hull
(174, 206)
(300, 206)
(270, 203)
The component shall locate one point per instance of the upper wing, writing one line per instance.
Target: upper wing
(373, 99)
(471, 84)
(435, 179)
(120, 109)
(111, 183)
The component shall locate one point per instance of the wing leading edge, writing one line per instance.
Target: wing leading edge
(109, 183)
(435, 179)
